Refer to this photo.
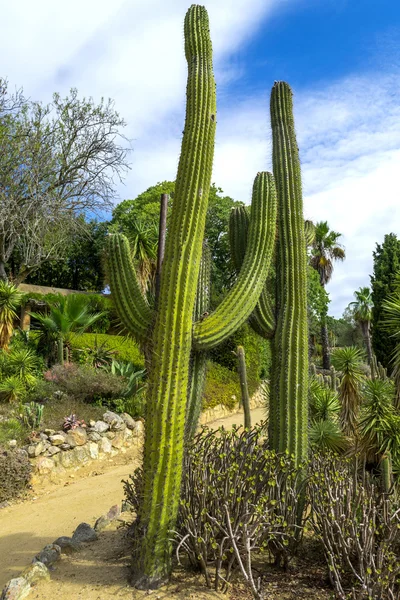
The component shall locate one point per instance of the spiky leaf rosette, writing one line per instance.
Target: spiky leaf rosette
(289, 405)
(172, 338)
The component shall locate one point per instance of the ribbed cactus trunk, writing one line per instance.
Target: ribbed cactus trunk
(289, 389)
(244, 388)
(172, 338)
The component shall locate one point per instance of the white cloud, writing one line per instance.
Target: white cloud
(132, 51)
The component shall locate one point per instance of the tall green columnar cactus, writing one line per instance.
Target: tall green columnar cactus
(174, 338)
(289, 403)
(244, 390)
(199, 359)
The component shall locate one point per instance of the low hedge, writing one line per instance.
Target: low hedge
(127, 349)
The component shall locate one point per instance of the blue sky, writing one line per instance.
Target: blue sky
(340, 56)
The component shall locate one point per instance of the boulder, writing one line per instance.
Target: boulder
(65, 447)
(101, 523)
(43, 437)
(94, 436)
(58, 439)
(49, 555)
(66, 544)
(76, 437)
(39, 448)
(139, 429)
(84, 533)
(93, 450)
(16, 589)
(81, 454)
(112, 419)
(35, 572)
(44, 465)
(52, 451)
(128, 420)
(49, 432)
(31, 451)
(114, 513)
(118, 440)
(67, 460)
(105, 446)
(101, 427)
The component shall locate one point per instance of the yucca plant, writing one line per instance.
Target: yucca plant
(24, 363)
(326, 436)
(391, 315)
(348, 360)
(379, 424)
(10, 300)
(12, 389)
(324, 402)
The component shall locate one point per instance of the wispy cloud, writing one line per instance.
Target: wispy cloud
(132, 51)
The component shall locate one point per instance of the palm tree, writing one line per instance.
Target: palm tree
(10, 300)
(68, 315)
(362, 311)
(324, 251)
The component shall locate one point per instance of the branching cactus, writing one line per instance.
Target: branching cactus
(281, 312)
(175, 341)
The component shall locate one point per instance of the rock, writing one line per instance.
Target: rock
(31, 451)
(114, 513)
(128, 433)
(128, 420)
(16, 589)
(119, 440)
(101, 523)
(44, 437)
(35, 572)
(49, 555)
(67, 459)
(92, 423)
(139, 429)
(52, 451)
(12, 443)
(81, 454)
(49, 432)
(84, 533)
(105, 445)
(93, 450)
(76, 437)
(110, 435)
(44, 465)
(39, 448)
(66, 544)
(113, 419)
(65, 447)
(58, 439)
(101, 427)
(94, 436)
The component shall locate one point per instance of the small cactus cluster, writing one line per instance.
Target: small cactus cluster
(378, 371)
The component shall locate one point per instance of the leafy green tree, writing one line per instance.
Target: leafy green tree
(145, 208)
(317, 304)
(81, 267)
(362, 311)
(325, 251)
(383, 282)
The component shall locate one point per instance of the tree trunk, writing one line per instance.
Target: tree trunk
(326, 359)
(3, 274)
(367, 339)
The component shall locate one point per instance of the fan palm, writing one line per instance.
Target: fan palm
(348, 361)
(325, 251)
(10, 300)
(68, 315)
(362, 311)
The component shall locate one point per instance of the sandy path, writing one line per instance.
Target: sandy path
(26, 527)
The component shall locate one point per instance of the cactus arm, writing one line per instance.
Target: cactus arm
(289, 404)
(242, 298)
(243, 386)
(199, 359)
(309, 231)
(130, 303)
(172, 338)
(262, 320)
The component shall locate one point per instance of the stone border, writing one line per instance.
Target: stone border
(20, 587)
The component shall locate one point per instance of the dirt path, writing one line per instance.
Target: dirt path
(28, 526)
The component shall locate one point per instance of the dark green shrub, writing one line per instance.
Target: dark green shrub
(222, 387)
(15, 473)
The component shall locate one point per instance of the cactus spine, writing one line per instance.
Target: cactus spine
(174, 339)
(245, 399)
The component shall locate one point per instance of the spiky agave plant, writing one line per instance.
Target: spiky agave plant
(10, 300)
(348, 360)
(168, 332)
